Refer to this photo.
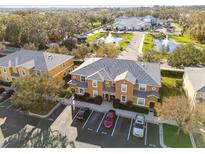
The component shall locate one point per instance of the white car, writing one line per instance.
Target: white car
(138, 126)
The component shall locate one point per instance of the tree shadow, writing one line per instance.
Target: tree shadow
(38, 138)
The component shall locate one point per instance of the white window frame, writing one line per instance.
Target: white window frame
(94, 83)
(141, 99)
(81, 78)
(95, 93)
(122, 100)
(80, 92)
(125, 86)
(143, 87)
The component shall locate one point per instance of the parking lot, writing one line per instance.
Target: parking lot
(119, 135)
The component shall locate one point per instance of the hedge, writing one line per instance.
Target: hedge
(130, 107)
(172, 73)
(86, 98)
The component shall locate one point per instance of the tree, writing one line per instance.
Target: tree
(107, 50)
(151, 56)
(81, 52)
(180, 110)
(70, 43)
(186, 55)
(58, 49)
(34, 91)
(30, 46)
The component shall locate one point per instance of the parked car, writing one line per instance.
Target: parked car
(109, 119)
(1, 90)
(139, 126)
(83, 114)
(6, 94)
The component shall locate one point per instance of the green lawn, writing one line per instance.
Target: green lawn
(172, 140)
(171, 87)
(176, 25)
(95, 36)
(185, 39)
(95, 24)
(148, 42)
(126, 40)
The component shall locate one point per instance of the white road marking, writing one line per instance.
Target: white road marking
(9, 106)
(101, 122)
(87, 119)
(50, 119)
(128, 137)
(5, 101)
(104, 133)
(145, 141)
(17, 110)
(76, 114)
(115, 126)
(2, 106)
(90, 129)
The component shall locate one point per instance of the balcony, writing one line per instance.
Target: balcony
(145, 94)
(109, 90)
(78, 83)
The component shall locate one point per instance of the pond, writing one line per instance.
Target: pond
(110, 39)
(166, 44)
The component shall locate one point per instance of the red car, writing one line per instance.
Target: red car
(110, 119)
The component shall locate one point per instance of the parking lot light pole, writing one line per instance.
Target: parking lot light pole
(73, 101)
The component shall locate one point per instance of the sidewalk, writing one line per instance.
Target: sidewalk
(105, 106)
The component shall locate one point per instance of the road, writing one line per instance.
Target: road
(133, 49)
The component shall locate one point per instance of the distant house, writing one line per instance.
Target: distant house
(20, 63)
(130, 24)
(121, 79)
(194, 84)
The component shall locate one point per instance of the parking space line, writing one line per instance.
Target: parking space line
(128, 137)
(90, 129)
(76, 114)
(101, 122)
(9, 106)
(115, 125)
(104, 133)
(87, 119)
(145, 141)
(5, 101)
(17, 110)
(50, 119)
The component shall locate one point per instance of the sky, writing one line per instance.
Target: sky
(95, 3)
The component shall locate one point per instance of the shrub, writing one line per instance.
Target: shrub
(178, 83)
(116, 103)
(8, 84)
(129, 103)
(98, 100)
(172, 73)
(133, 108)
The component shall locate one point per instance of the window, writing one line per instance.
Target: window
(82, 78)
(94, 83)
(153, 88)
(123, 99)
(141, 101)
(123, 88)
(81, 91)
(142, 87)
(95, 93)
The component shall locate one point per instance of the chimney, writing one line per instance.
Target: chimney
(16, 61)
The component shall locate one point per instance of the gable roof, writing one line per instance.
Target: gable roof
(197, 77)
(38, 60)
(109, 69)
(126, 76)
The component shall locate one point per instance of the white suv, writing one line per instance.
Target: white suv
(138, 126)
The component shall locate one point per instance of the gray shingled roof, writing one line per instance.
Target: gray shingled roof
(196, 77)
(38, 60)
(145, 73)
(146, 94)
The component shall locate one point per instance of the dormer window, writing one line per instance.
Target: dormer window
(82, 78)
(142, 87)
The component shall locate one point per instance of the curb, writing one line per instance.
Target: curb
(46, 115)
(192, 140)
(161, 137)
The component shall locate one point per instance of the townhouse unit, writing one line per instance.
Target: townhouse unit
(121, 79)
(20, 63)
(194, 84)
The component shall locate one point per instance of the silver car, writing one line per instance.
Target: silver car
(139, 126)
